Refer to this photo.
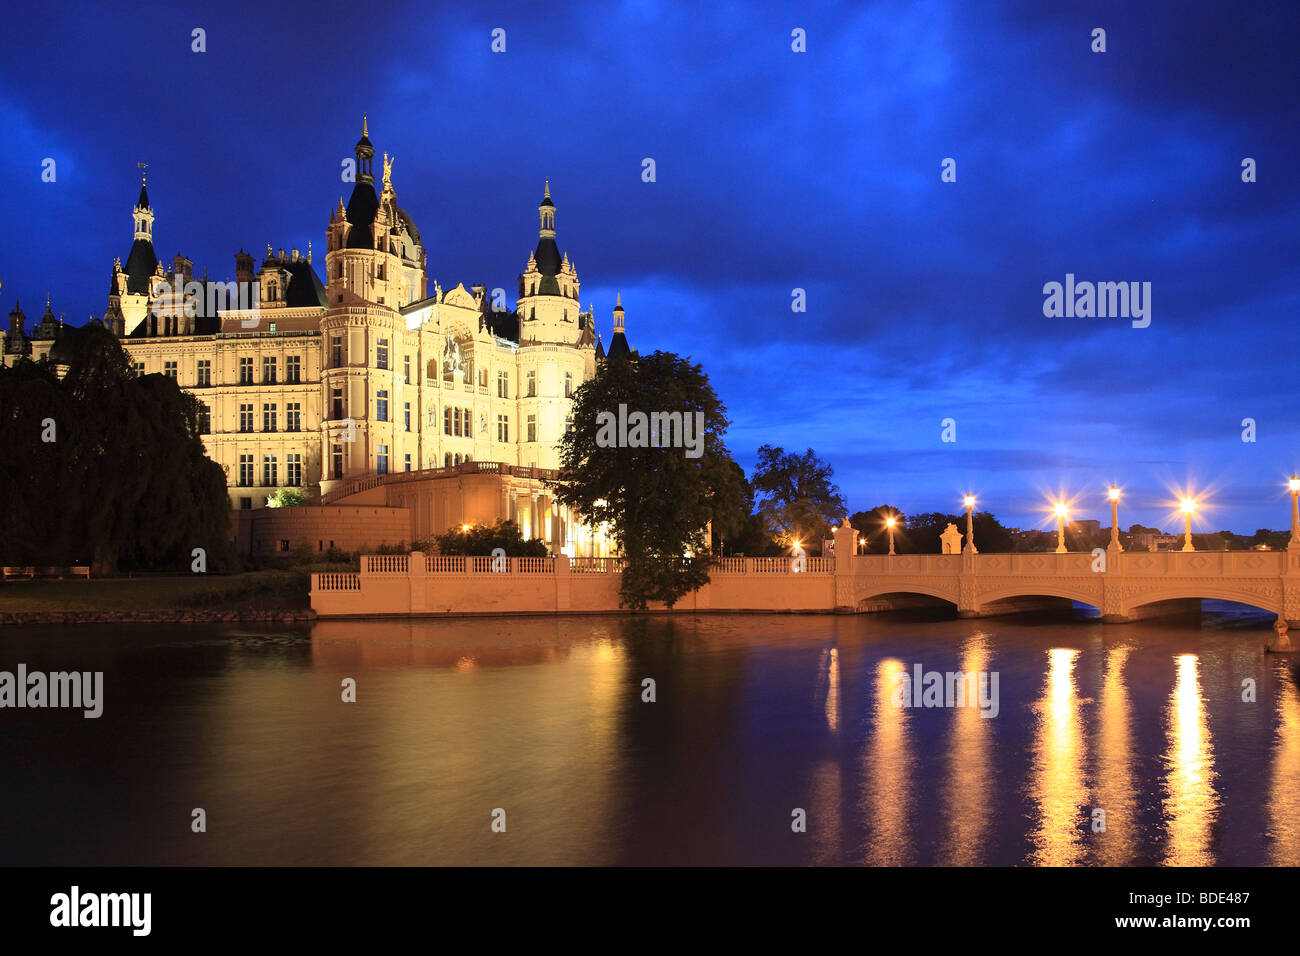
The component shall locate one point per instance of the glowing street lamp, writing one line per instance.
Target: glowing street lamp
(889, 523)
(1188, 506)
(1113, 493)
(969, 502)
(862, 545)
(1062, 511)
(1294, 486)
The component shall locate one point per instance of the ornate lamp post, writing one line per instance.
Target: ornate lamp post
(1061, 512)
(1294, 486)
(1189, 505)
(969, 502)
(889, 523)
(862, 545)
(1114, 518)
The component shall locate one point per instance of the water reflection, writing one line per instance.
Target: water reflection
(1057, 785)
(970, 793)
(1190, 801)
(833, 690)
(886, 770)
(1116, 793)
(1284, 791)
(754, 716)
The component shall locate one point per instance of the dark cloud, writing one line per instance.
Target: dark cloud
(775, 171)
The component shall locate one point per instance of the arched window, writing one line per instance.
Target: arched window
(446, 421)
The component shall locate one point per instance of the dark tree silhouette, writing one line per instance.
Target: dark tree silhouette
(105, 467)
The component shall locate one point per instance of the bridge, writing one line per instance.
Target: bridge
(1123, 586)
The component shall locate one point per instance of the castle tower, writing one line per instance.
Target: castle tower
(374, 265)
(16, 342)
(618, 347)
(136, 282)
(372, 248)
(548, 288)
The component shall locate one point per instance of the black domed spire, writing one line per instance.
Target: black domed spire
(618, 347)
(365, 151)
(363, 204)
(547, 256)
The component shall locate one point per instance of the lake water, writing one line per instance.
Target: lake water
(755, 717)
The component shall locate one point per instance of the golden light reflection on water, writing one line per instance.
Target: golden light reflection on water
(970, 787)
(833, 691)
(1057, 783)
(1116, 793)
(1191, 803)
(824, 816)
(1284, 789)
(887, 773)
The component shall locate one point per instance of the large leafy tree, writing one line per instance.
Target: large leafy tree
(745, 532)
(657, 501)
(105, 467)
(797, 497)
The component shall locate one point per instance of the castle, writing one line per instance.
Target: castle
(365, 389)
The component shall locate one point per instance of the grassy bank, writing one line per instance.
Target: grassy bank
(254, 590)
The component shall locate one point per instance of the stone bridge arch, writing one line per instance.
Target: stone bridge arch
(866, 591)
(1085, 591)
(1260, 595)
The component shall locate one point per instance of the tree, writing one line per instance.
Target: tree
(922, 535)
(797, 497)
(871, 525)
(286, 498)
(104, 467)
(658, 499)
(739, 530)
(484, 539)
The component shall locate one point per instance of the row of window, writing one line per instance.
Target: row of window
(503, 377)
(271, 471)
(292, 417)
(457, 422)
(203, 370)
(293, 371)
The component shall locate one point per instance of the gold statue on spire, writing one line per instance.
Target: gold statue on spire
(388, 171)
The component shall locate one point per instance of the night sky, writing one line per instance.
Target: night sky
(775, 170)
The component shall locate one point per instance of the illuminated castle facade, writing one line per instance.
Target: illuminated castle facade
(366, 377)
